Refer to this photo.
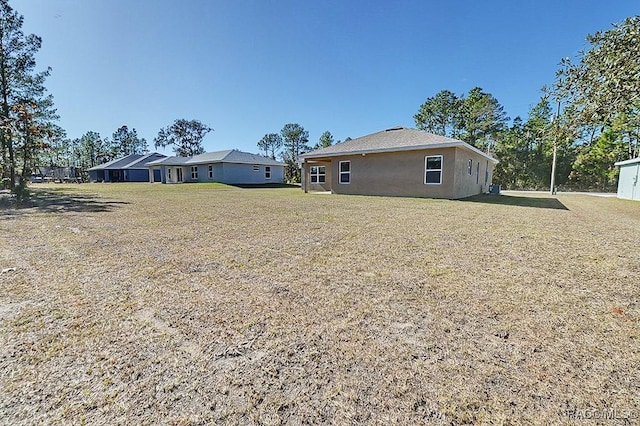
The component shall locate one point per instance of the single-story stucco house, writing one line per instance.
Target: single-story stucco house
(399, 162)
(628, 185)
(230, 166)
(131, 168)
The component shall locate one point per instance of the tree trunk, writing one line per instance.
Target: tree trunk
(7, 134)
(7, 140)
(3, 146)
(26, 154)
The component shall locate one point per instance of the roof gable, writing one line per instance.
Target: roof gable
(142, 162)
(131, 161)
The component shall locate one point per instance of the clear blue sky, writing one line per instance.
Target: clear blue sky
(247, 67)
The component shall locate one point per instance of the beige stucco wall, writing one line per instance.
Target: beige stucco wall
(395, 174)
(467, 185)
(317, 186)
(402, 174)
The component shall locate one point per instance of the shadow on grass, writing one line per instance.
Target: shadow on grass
(264, 185)
(511, 200)
(57, 201)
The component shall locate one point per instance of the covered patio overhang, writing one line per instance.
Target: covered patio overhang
(316, 174)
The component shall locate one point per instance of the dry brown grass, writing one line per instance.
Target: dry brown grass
(198, 304)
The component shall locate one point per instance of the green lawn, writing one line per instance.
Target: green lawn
(204, 303)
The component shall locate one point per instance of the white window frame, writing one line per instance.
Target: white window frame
(347, 173)
(426, 162)
(168, 173)
(194, 172)
(210, 168)
(317, 175)
(470, 167)
(267, 172)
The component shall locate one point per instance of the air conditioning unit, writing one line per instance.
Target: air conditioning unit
(494, 189)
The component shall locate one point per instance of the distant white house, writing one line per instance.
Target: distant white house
(230, 166)
(628, 185)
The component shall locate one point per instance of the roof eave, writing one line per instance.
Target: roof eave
(625, 162)
(261, 163)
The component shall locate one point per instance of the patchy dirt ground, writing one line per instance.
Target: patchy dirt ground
(197, 304)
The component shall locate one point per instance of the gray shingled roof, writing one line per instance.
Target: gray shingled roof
(169, 161)
(235, 156)
(393, 139)
(132, 161)
(143, 161)
(117, 163)
(226, 156)
(209, 157)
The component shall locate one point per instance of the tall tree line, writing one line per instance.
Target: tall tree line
(29, 136)
(26, 110)
(598, 94)
(476, 118)
(90, 149)
(590, 115)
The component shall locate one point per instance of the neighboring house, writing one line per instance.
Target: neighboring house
(132, 168)
(399, 162)
(628, 185)
(230, 166)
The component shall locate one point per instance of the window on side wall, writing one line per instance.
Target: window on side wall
(267, 172)
(194, 172)
(470, 167)
(478, 172)
(317, 174)
(345, 172)
(168, 174)
(433, 170)
(486, 173)
(256, 168)
(210, 171)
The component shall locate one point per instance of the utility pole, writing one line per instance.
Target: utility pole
(555, 151)
(553, 168)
